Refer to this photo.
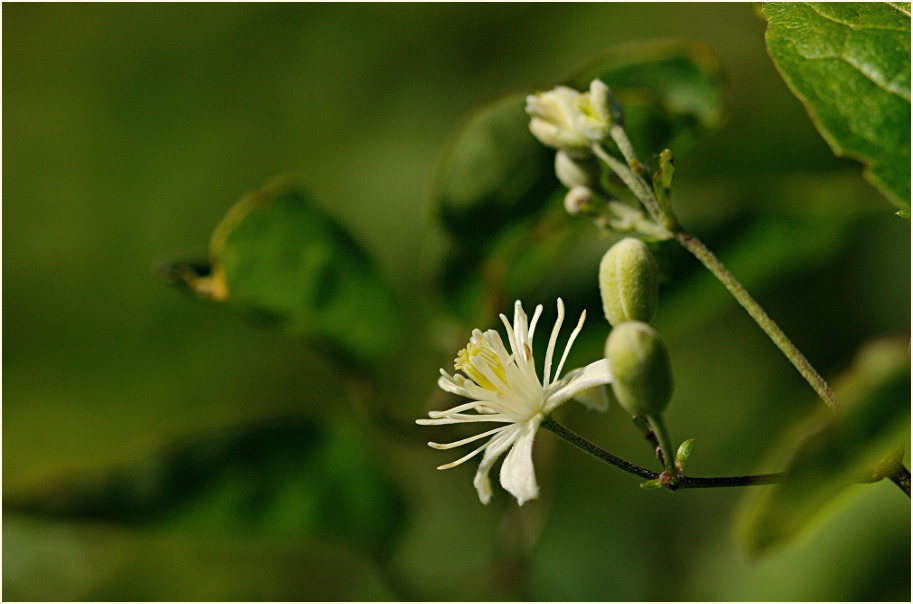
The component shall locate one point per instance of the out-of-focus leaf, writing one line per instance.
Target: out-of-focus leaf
(279, 257)
(673, 92)
(522, 259)
(829, 452)
(849, 64)
(769, 248)
(286, 479)
(494, 171)
(761, 250)
(58, 560)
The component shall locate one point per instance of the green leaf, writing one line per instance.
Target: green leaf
(285, 479)
(280, 258)
(827, 453)
(849, 64)
(493, 171)
(52, 560)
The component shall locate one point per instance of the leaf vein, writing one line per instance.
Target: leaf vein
(854, 25)
(897, 91)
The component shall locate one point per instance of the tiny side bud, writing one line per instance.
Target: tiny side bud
(578, 199)
(640, 365)
(628, 282)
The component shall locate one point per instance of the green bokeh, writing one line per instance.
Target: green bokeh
(129, 130)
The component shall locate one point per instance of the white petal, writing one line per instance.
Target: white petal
(517, 474)
(595, 398)
(495, 448)
(593, 374)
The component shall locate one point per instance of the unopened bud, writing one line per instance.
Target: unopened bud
(628, 278)
(574, 172)
(579, 199)
(641, 369)
(566, 119)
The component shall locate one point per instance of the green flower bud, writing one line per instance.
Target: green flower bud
(642, 374)
(628, 282)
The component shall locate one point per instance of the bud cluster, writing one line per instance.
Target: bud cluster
(568, 120)
(578, 124)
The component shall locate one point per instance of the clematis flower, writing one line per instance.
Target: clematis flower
(504, 388)
(568, 120)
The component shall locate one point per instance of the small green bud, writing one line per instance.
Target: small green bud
(651, 484)
(573, 172)
(641, 369)
(628, 278)
(684, 451)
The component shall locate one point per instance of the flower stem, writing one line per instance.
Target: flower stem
(684, 482)
(665, 443)
(773, 331)
(581, 443)
(901, 477)
(634, 182)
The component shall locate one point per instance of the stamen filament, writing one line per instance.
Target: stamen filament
(457, 409)
(570, 342)
(532, 324)
(459, 443)
(550, 351)
(453, 464)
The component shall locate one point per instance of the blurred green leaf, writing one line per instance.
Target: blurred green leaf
(285, 479)
(849, 64)
(52, 560)
(673, 92)
(279, 257)
(493, 171)
(827, 453)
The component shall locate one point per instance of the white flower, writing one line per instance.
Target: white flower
(569, 120)
(503, 388)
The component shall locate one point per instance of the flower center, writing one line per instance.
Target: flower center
(478, 355)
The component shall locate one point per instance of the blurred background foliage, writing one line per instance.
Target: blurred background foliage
(158, 446)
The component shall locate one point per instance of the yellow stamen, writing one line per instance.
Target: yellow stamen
(476, 352)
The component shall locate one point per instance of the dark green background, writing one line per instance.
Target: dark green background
(157, 447)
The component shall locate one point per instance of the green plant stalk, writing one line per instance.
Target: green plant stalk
(665, 443)
(634, 182)
(773, 331)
